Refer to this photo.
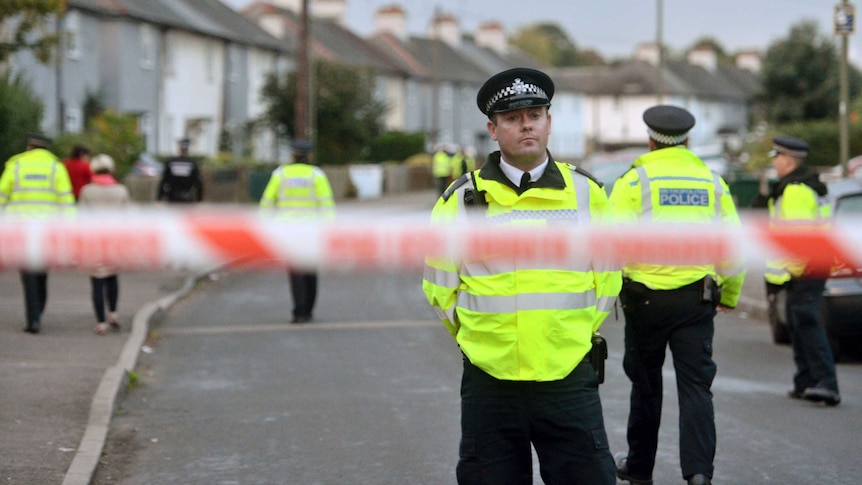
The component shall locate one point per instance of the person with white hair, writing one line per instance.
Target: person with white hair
(104, 192)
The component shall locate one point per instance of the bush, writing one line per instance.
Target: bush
(822, 136)
(109, 132)
(20, 113)
(396, 145)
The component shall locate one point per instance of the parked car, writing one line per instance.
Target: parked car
(147, 166)
(841, 305)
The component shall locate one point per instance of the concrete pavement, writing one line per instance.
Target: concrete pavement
(58, 388)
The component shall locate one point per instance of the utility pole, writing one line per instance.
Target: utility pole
(435, 78)
(660, 44)
(300, 119)
(845, 14)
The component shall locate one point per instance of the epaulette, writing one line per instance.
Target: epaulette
(454, 186)
(586, 174)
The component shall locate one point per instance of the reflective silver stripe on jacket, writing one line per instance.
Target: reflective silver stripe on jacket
(526, 301)
(443, 278)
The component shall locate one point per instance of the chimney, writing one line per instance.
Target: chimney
(391, 19)
(749, 60)
(445, 27)
(490, 35)
(334, 10)
(704, 57)
(648, 52)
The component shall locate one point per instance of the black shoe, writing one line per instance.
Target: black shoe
(32, 327)
(303, 319)
(622, 463)
(794, 394)
(699, 479)
(821, 394)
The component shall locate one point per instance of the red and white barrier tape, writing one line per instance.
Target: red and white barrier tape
(202, 239)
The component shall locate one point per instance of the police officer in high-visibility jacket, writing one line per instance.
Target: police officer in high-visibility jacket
(525, 328)
(298, 191)
(35, 185)
(441, 168)
(799, 198)
(671, 305)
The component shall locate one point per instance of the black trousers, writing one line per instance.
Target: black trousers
(677, 319)
(104, 291)
(303, 288)
(562, 419)
(35, 294)
(815, 364)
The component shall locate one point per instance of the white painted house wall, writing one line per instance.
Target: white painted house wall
(193, 86)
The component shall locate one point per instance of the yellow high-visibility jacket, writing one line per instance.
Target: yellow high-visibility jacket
(519, 320)
(35, 184)
(298, 190)
(460, 161)
(799, 198)
(441, 165)
(672, 185)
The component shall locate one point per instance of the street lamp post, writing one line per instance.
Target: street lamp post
(845, 14)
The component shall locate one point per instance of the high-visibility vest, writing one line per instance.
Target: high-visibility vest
(672, 185)
(519, 320)
(35, 184)
(461, 164)
(298, 190)
(800, 204)
(441, 165)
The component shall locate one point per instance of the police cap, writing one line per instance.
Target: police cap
(789, 146)
(301, 147)
(668, 125)
(184, 143)
(515, 89)
(36, 140)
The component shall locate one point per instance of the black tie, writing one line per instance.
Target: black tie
(525, 181)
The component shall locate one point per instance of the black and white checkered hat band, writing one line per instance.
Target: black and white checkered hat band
(667, 139)
(518, 88)
(788, 151)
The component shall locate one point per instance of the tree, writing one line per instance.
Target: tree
(800, 77)
(712, 43)
(347, 117)
(20, 113)
(24, 25)
(549, 44)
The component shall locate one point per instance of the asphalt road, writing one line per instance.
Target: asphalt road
(368, 394)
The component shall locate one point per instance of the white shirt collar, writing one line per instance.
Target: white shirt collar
(514, 174)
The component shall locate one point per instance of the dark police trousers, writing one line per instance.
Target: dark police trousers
(35, 285)
(562, 419)
(681, 320)
(303, 288)
(815, 364)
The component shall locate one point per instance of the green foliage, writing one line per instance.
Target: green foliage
(25, 25)
(20, 113)
(800, 77)
(396, 145)
(109, 132)
(549, 44)
(822, 136)
(346, 113)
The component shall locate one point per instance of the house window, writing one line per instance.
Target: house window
(233, 63)
(209, 66)
(73, 35)
(148, 46)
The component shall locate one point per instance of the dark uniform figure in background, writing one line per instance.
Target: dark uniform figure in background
(181, 179)
(526, 330)
(672, 306)
(799, 197)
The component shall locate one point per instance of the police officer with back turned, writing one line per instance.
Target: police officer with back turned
(672, 306)
(525, 328)
(181, 179)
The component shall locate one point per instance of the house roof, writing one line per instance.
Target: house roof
(493, 62)
(329, 39)
(207, 17)
(452, 66)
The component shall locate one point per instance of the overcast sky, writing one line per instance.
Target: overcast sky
(615, 27)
